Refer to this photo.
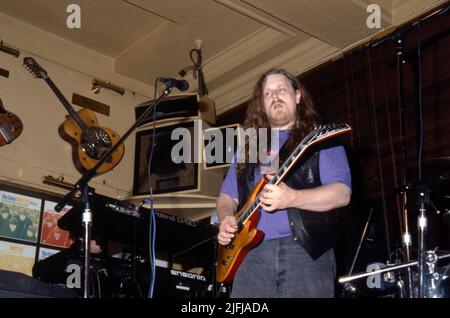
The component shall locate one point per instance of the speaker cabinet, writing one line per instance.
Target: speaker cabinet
(179, 107)
(170, 172)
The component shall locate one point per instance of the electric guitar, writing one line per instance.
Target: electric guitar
(10, 126)
(90, 142)
(230, 256)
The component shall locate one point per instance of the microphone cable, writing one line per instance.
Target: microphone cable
(152, 226)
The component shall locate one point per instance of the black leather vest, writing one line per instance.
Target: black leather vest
(315, 231)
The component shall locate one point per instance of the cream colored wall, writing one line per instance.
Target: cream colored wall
(40, 150)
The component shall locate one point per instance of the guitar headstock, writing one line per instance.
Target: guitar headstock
(326, 131)
(34, 68)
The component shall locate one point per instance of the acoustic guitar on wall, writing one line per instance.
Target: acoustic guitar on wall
(10, 126)
(90, 142)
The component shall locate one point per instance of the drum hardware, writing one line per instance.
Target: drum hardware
(432, 281)
(426, 267)
(438, 211)
(433, 277)
(422, 227)
(398, 37)
(435, 177)
(349, 287)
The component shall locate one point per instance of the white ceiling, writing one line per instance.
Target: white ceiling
(143, 39)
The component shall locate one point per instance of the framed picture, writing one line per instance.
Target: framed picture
(51, 234)
(17, 257)
(46, 252)
(19, 216)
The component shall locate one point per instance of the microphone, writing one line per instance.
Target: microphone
(182, 85)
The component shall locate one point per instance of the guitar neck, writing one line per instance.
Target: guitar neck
(66, 104)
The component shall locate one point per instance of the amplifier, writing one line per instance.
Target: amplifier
(178, 107)
(181, 106)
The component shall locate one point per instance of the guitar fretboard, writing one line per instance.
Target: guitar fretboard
(66, 104)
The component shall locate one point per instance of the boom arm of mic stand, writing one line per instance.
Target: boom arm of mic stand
(88, 175)
(345, 279)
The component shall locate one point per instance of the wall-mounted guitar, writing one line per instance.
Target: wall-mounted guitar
(90, 142)
(10, 126)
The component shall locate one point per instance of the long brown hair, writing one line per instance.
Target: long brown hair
(306, 115)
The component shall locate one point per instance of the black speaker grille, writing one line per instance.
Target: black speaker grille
(166, 175)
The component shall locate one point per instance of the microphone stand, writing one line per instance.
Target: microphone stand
(82, 186)
(348, 286)
(422, 225)
(406, 235)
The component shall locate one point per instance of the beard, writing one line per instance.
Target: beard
(279, 115)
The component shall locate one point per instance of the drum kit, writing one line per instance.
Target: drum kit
(428, 276)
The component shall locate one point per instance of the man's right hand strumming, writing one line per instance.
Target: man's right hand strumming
(227, 228)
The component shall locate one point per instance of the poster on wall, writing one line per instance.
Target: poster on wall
(46, 252)
(17, 257)
(51, 234)
(19, 216)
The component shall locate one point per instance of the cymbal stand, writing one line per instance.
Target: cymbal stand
(406, 235)
(348, 287)
(87, 223)
(422, 227)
